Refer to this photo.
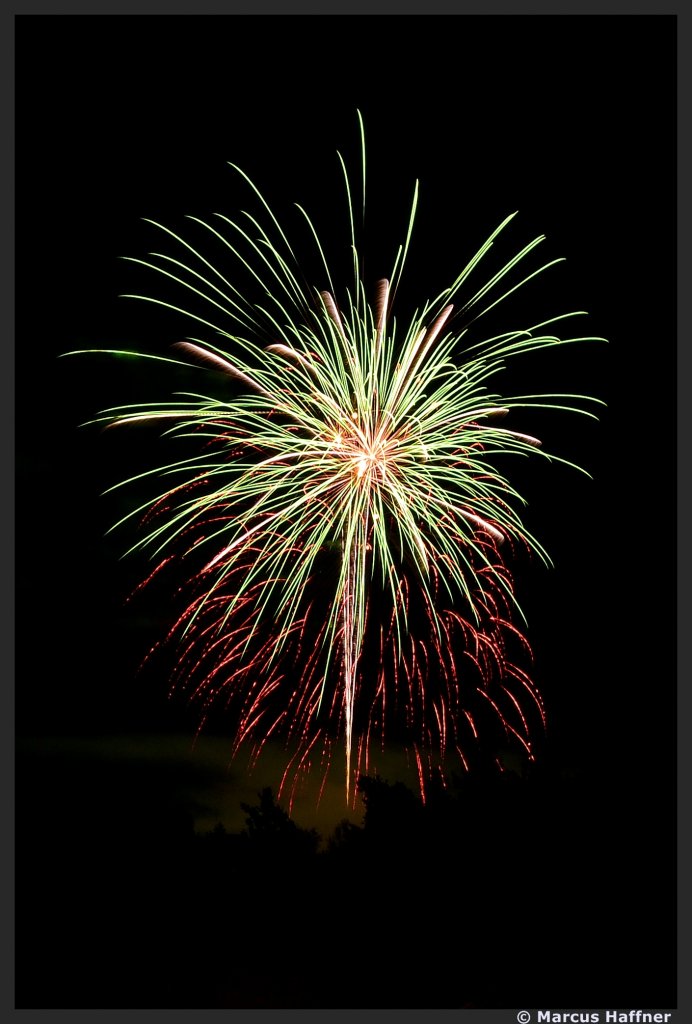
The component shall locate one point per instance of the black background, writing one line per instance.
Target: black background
(570, 121)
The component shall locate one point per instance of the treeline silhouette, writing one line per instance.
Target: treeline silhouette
(499, 891)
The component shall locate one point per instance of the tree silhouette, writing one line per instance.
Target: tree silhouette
(270, 829)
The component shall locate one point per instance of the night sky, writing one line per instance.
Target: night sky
(570, 121)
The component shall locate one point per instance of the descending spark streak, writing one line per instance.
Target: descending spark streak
(351, 651)
(340, 453)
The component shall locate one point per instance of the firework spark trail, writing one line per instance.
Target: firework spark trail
(332, 434)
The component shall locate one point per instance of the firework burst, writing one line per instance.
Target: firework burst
(342, 523)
